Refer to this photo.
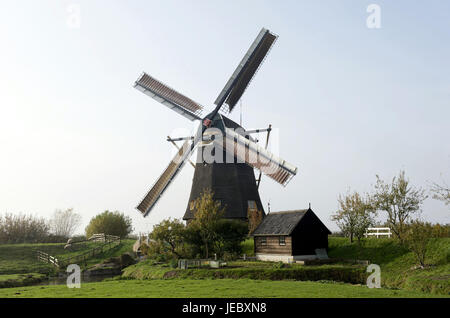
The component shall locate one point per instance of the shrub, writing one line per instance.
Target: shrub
(22, 228)
(229, 236)
(169, 234)
(111, 223)
(173, 263)
(159, 252)
(417, 237)
(278, 265)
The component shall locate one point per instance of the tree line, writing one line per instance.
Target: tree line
(27, 228)
(401, 204)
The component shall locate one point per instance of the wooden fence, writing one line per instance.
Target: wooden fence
(378, 232)
(109, 242)
(46, 258)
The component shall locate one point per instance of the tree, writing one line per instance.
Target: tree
(417, 235)
(111, 223)
(169, 233)
(354, 216)
(229, 235)
(207, 212)
(64, 223)
(441, 192)
(399, 200)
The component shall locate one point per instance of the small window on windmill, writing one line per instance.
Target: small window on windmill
(252, 205)
(263, 240)
(191, 205)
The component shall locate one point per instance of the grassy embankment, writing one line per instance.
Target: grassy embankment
(21, 259)
(398, 264)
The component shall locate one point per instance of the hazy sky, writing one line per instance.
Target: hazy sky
(349, 102)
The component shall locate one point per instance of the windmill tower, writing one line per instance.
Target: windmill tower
(232, 181)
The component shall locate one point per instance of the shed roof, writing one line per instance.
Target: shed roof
(280, 223)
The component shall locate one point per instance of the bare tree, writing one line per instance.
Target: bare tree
(441, 192)
(65, 222)
(399, 200)
(354, 216)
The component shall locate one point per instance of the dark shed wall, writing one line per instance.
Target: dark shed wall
(309, 235)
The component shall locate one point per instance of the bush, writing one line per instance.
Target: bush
(169, 234)
(416, 238)
(22, 228)
(173, 263)
(278, 265)
(56, 239)
(159, 252)
(110, 223)
(229, 236)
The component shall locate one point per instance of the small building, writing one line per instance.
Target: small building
(289, 236)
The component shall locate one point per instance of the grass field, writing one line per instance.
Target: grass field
(223, 288)
(244, 279)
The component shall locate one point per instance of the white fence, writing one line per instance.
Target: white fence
(378, 232)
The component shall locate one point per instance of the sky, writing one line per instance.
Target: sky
(348, 101)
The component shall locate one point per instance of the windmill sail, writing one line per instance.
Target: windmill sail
(165, 179)
(169, 174)
(169, 97)
(247, 68)
(257, 157)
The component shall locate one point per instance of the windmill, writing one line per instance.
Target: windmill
(233, 182)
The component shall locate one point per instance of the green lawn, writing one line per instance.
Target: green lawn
(223, 288)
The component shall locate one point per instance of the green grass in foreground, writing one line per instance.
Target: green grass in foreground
(222, 288)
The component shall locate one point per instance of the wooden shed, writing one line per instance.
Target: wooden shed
(290, 235)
